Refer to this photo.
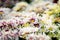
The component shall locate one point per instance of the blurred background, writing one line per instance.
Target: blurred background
(11, 3)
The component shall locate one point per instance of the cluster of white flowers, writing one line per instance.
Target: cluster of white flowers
(36, 21)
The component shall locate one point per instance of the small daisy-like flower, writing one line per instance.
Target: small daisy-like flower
(32, 20)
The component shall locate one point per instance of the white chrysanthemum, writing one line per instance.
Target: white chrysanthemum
(31, 37)
(5, 10)
(36, 37)
(27, 17)
(20, 6)
(30, 29)
(15, 14)
(44, 37)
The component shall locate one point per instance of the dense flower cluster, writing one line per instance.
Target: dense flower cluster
(36, 21)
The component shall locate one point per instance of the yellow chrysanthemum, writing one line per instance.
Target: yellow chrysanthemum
(53, 10)
(50, 28)
(26, 24)
(57, 19)
(49, 12)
